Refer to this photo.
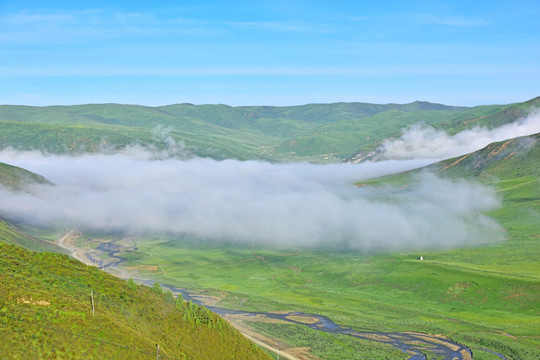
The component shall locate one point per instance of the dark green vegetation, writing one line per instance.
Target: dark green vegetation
(46, 313)
(316, 132)
(326, 345)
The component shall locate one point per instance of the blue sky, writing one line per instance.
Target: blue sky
(268, 52)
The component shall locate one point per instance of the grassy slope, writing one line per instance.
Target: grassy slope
(445, 294)
(11, 234)
(490, 116)
(16, 178)
(513, 168)
(45, 313)
(452, 122)
(511, 268)
(315, 132)
(343, 138)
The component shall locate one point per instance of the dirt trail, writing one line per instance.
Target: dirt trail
(68, 242)
(88, 256)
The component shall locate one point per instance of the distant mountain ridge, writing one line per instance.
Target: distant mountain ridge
(314, 132)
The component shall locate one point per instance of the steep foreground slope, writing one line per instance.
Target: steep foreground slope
(54, 307)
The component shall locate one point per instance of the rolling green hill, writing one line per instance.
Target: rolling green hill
(54, 307)
(513, 168)
(314, 132)
(16, 178)
(504, 160)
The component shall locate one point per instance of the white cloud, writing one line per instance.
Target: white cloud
(63, 26)
(421, 141)
(285, 205)
(279, 26)
(432, 19)
(220, 70)
(455, 21)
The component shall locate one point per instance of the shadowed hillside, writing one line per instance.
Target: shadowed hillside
(15, 178)
(510, 159)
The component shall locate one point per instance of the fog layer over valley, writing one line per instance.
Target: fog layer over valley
(252, 202)
(423, 141)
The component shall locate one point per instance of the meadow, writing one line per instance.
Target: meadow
(467, 294)
(485, 297)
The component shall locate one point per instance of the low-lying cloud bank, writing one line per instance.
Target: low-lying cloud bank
(423, 141)
(254, 202)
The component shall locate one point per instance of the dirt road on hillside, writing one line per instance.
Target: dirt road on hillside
(67, 242)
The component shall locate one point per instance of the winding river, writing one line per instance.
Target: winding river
(416, 345)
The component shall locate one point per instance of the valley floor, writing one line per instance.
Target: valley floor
(122, 258)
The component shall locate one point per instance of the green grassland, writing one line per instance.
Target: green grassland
(14, 235)
(467, 301)
(484, 297)
(315, 132)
